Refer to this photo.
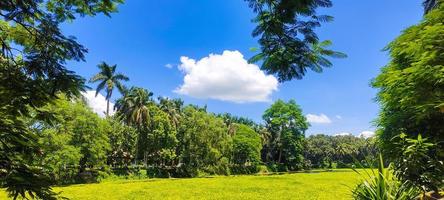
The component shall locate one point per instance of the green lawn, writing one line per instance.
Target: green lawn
(320, 185)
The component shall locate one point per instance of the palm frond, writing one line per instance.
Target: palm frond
(100, 87)
(98, 77)
(120, 76)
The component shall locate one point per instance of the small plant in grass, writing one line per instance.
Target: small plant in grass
(381, 184)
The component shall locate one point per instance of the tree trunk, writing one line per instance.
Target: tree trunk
(108, 97)
(107, 108)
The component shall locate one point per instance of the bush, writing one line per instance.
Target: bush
(262, 169)
(277, 167)
(419, 163)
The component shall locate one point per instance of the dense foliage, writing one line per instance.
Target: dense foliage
(32, 72)
(74, 142)
(324, 151)
(122, 140)
(411, 94)
(205, 146)
(168, 139)
(247, 147)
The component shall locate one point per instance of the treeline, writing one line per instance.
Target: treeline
(165, 138)
(324, 151)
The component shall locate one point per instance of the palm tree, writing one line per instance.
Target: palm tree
(133, 107)
(108, 79)
(430, 5)
(172, 107)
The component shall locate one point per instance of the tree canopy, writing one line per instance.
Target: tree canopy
(411, 94)
(33, 71)
(289, 45)
(287, 125)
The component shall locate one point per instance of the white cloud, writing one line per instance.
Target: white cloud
(227, 77)
(338, 117)
(342, 134)
(318, 119)
(367, 134)
(169, 66)
(98, 104)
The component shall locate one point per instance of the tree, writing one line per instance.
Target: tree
(33, 58)
(319, 150)
(411, 93)
(134, 109)
(204, 144)
(289, 45)
(246, 146)
(133, 106)
(89, 133)
(108, 79)
(173, 107)
(287, 126)
(76, 140)
(122, 140)
(324, 150)
(160, 151)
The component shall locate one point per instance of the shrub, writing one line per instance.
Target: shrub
(381, 184)
(262, 169)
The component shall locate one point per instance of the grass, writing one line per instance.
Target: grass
(336, 184)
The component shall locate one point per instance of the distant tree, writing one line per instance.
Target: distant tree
(289, 44)
(287, 126)
(411, 93)
(108, 79)
(319, 150)
(324, 150)
(33, 57)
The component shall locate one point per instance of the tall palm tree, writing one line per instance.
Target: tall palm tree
(108, 79)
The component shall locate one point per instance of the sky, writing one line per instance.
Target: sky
(197, 50)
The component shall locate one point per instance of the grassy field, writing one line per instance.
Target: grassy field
(318, 185)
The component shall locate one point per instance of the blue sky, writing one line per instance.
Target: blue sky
(145, 36)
